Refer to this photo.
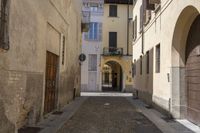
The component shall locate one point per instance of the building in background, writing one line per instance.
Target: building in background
(91, 46)
(116, 49)
(166, 51)
(40, 42)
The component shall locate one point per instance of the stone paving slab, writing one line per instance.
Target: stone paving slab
(108, 115)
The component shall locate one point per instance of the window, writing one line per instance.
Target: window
(112, 39)
(135, 29)
(92, 62)
(95, 32)
(63, 50)
(4, 38)
(145, 13)
(141, 17)
(147, 62)
(158, 58)
(113, 11)
(134, 69)
(140, 65)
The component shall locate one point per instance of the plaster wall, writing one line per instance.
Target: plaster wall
(34, 28)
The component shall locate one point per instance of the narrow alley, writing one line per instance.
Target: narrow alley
(99, 66)
(108, 115)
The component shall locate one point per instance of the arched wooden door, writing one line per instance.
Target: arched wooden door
(193, 72)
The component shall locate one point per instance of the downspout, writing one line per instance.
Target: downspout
(143, 10)
(128, 29)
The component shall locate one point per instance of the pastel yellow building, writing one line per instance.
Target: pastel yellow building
(116, 47)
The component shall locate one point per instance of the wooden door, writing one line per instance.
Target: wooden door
(50, 88)
(193, 72)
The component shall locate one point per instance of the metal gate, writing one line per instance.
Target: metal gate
(50, 88)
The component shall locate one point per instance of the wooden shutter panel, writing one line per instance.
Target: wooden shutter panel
(100, 32)
(141, 17)
(135, 27)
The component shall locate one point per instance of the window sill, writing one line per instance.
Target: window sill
(113, 16)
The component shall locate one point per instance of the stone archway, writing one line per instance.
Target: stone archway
(179, 42)
(193, 72)
(112, 76)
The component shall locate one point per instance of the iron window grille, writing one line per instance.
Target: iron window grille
(4, 38)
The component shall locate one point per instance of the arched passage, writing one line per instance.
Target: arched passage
(181, 96)
(112, 76)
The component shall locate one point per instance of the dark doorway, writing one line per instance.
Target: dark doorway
(193, 72)
(50, 88)
(112, 77)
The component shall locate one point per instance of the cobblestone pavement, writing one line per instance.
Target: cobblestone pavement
(108, 115)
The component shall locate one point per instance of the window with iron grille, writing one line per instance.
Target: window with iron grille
(158, 58)
(4, 38)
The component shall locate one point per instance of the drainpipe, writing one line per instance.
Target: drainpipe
(142, 50)
(128, 28)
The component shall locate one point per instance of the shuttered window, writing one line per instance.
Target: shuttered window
(113, 39)
(158, 58)
(94, 33)
(147, 59)
(135, 29)
(134, 69)
(63, 50)
(141, 65)
(141, 17)
(113, 10)
(4, 38)
(145, 14)
(92, 62)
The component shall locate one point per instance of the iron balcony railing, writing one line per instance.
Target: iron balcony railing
(111, 51)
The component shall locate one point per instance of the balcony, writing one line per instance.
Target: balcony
(85, 21)
(111, 51)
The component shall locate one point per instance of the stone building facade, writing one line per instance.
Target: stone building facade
(116, 58)
(166, 55)
(91, 46)
(39, 67)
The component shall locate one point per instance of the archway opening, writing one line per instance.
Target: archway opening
(112, 77)
(192, 76)
(182, 48)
